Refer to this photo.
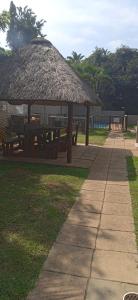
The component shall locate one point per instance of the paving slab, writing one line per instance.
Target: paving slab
(55, 286)
(118, 266)
(77, 236)
(99, 166)
(88, 205)
(83, 218)
(118, 160)
(91, 186)
(120, 156)
(97, 175)
(108, 290)
(121, 223)
(118, 174)
(117, 189)
(83, 163)
(116, 241)
(116, 181)
(117, 169)
(117, 198)
(91, 195)
(118, 209)
(69, 259)
(116, 166)
(95, 182)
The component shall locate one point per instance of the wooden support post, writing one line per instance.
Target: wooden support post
(29, 113)
(122, 123)
(69, 137)
(137, 135)
(110, 120)
(92, 122)
(125, 122)
(87, 125)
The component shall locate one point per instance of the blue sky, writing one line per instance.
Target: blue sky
(82, 25)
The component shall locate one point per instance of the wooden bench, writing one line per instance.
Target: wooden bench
(63, 139)
(39, 143)
(9, 144)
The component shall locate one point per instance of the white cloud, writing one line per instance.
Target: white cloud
(81, 25)
(113, 45)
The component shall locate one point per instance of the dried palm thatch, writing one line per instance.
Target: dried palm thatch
(39, 74)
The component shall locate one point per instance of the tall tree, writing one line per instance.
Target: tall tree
(97, 77)
(4, 20)
(124, 55)
(23, 26)
(75, 58)
(99, 57)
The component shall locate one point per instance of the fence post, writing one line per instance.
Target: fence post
(87, 125)
(69, 138)
(136, 144)
(109, 122)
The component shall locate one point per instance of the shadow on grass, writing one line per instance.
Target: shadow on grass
(132, 172)
(34, 203)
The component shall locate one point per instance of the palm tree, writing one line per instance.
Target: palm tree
(75, 58)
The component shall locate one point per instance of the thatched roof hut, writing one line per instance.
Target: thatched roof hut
(39, 73)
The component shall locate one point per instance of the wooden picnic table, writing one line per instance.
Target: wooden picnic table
(9, 143)
(39, 141)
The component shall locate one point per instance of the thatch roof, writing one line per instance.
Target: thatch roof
(38, 73)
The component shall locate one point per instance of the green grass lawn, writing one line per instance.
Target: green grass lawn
(34, 203)
(97, 136)
(132, 163)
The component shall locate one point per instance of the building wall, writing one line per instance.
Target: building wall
(132, 119)
(112, 113)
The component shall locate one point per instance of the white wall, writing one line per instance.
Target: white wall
(46, 110)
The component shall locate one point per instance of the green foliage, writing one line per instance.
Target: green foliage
(130, 134)
(132, 165)
(5, 53)
(75, 58)
(114, 76)
(23, 26)
(99, 57)
(97, 136)
(97, 77)
(4, 20)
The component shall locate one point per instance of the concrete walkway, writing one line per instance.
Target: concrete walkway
(95, 256)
